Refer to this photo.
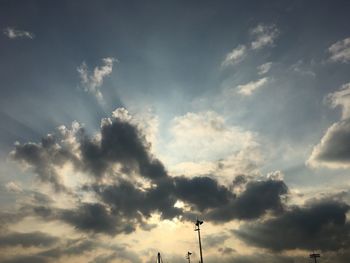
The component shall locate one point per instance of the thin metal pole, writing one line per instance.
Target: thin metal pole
(200, 244)
(315, 256)
(189, 257)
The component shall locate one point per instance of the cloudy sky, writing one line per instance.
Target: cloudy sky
(124, 121)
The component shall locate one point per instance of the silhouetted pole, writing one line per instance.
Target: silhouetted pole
(189, 256)
(198, 223)
(315, 256)
(158, 258)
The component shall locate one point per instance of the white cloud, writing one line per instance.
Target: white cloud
(94, 80)
(275, 175)
(250, 87)
(247, 161)
(205, 136)
(204, 143)
(333, 151)
(303, 68)
(13, 33)
(341, 98)
(13, 187)
(264, 35)
(340, 51)
(264, 68)
(235, 56)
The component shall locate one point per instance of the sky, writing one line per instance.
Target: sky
(122, 122)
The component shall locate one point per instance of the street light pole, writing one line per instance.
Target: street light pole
(315, 256)
(189, 256)
(197, 224)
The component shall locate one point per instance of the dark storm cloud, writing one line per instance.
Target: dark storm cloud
(131, 202)
(96, 218)
(70, 248)
(239, 180)
(226, 250)
(78, 247)
(13, 217)
(26, 259)
(214, 240)
(120, 142)
(93, 218)
(86, 217)
(123, 197)
(202, 192)
(75, 247)
(321, 225)
(43, 157)
(216, 202)
(165, 198)
(33, 239)
(123, 205)
(40, 198)
(258, 198)
(106, 218)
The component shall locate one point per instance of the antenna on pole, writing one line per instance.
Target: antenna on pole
(197, 224)
(188, 256)
(315, 256)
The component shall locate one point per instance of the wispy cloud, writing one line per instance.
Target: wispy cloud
(264, 68)
(264, 35)
(92, 82)
(13, 33)
(340, 51)
(250, 87)
(341, 98)
(235, 56)
(303, 68)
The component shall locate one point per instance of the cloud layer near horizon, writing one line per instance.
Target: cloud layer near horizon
(129, 185)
